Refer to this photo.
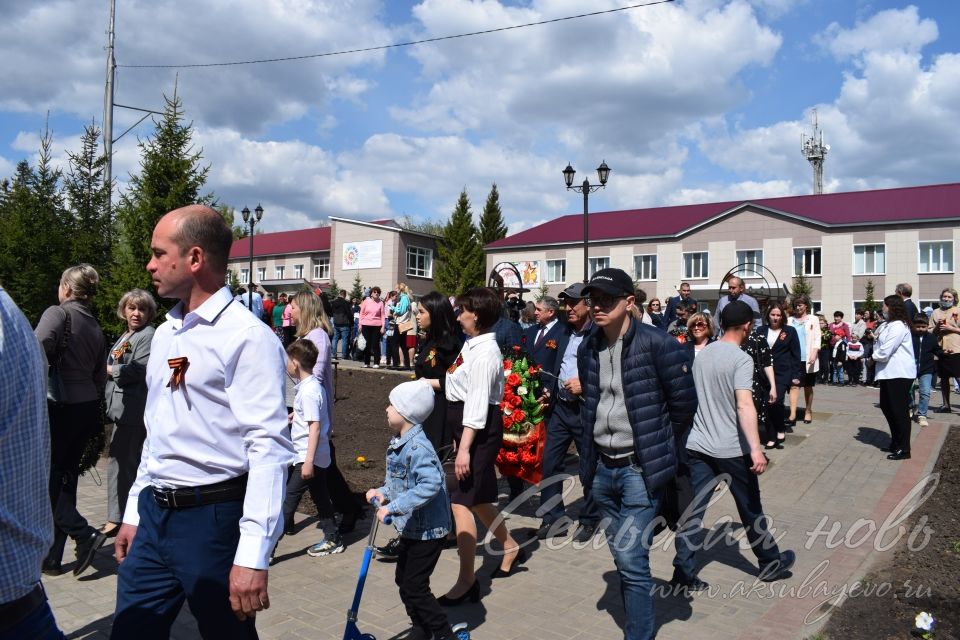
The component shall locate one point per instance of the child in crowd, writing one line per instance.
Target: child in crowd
(415, 496)
(925, 348)
(838, 361)
(310, 432)
(854, 363)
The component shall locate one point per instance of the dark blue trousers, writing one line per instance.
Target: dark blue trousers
(177, 555)
(563, 427)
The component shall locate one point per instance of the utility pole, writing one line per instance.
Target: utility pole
(108, 110)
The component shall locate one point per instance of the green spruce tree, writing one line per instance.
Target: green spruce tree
(357, 291)
(492, 226)
(801, 286)
(869, 301)
(460, 262)
(170, 177)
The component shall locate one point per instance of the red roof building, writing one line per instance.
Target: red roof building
(839, 241)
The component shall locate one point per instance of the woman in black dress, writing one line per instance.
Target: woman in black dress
(784, 345)
(441, 340)
(764, 385)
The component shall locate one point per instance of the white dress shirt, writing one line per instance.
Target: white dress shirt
(227, 418)
(893, 352)
(478, 381)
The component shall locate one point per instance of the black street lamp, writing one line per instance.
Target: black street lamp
(603, 172)
(252, 220)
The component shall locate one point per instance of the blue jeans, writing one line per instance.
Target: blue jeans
(836, 372)
(563, 427)
(39, 624)
(745, 489)
(925, 387)
(177, 555)
(629, 509)
(341, 332)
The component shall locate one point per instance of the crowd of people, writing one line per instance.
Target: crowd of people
(207, 463)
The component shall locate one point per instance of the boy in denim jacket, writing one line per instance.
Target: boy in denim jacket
(415, 496)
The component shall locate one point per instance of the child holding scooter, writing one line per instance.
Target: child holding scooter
(414, 495)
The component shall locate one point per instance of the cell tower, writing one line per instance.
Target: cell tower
(815, 152)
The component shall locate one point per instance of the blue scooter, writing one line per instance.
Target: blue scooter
(351, 632)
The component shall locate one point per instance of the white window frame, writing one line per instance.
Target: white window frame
(244, 276)
(793, 262)
(853, 256)
(920, 244)
(261, 274)
(683, 265)
(562, 263)
(758, 266)
(278, 272)
(637, 273)
(593, 264)
(321, 269)
(420, 252)
(816, 308)
(298, 271)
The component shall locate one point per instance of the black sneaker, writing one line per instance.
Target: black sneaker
(690, 585)
(778, 569)
(585, 533)
(389, 551)
(942, 409)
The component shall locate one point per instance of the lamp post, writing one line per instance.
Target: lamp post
(252, 220)
(603, 172)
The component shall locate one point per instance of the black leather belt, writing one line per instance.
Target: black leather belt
(226, 491)
(619, 462)
(14, 611)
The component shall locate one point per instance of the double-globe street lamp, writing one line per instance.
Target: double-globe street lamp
(603, 172)
(251, 220)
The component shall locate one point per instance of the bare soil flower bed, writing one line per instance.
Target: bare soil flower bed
(927, 579)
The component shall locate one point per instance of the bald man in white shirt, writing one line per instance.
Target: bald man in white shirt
(204, 511)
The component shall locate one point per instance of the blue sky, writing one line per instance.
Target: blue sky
(690, 101)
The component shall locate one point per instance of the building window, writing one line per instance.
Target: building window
(806, 261)
(261, 274)
(595, 264)
(869, 259)
(244, 276)
(321, 269)
(298, 271)
(278, 273)
(645, 267)
(420, 262)
(556, 271)
(936, 257)
(696, 265)
(750, 263)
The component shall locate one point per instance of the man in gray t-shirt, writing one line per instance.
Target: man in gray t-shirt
(724, 444)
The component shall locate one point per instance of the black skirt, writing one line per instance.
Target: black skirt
(480, 487)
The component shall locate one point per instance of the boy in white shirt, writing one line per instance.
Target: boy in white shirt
(310, 432)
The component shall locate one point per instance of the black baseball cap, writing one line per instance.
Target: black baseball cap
(614, 282)
(573, 292)
(736, 313)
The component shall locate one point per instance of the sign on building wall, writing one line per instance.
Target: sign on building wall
(529, 274)
(362, 255)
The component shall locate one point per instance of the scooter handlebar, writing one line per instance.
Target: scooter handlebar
(376, 505)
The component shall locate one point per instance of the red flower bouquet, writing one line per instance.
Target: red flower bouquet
(521, 453)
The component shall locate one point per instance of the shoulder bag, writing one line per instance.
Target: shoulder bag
(56, 392)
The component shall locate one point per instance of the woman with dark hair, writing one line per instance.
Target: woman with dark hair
(807, 327)
(439, 345)
(372, 314)
(896, 371)
(785, 347)
(474, 389)
(74, 345)
(655, 311)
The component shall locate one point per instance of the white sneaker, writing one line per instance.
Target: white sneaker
(922, 421)
(326, 547)
(375, 366)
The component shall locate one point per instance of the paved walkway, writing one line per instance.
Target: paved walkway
(831, 469)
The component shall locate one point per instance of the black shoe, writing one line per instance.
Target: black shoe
(522, 556)
(899, 454)
(472, 594)
(550, 530)
(944, 408)
(87, 549)
(688, 584)
(51, 568)
(778, 569)
(585, 533)
(349, 521)
(769, 446)
(389, 551)
(289, 529)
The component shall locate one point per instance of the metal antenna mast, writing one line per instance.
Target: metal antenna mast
(108, 110)
(815, 152)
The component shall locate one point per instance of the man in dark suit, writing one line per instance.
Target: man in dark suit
(542, 340)
(563, 425)
(904, 290)
(671, 313)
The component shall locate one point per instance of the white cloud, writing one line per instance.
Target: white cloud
(885, 31)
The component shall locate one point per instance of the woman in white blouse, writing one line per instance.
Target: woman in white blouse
(474, 389)
(896, 371)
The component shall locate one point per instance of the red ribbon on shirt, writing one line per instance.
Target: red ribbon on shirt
(179, 366)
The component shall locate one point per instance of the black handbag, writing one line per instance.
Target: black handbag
(56, 392)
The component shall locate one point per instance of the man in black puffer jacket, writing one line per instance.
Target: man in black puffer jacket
(639, 400)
